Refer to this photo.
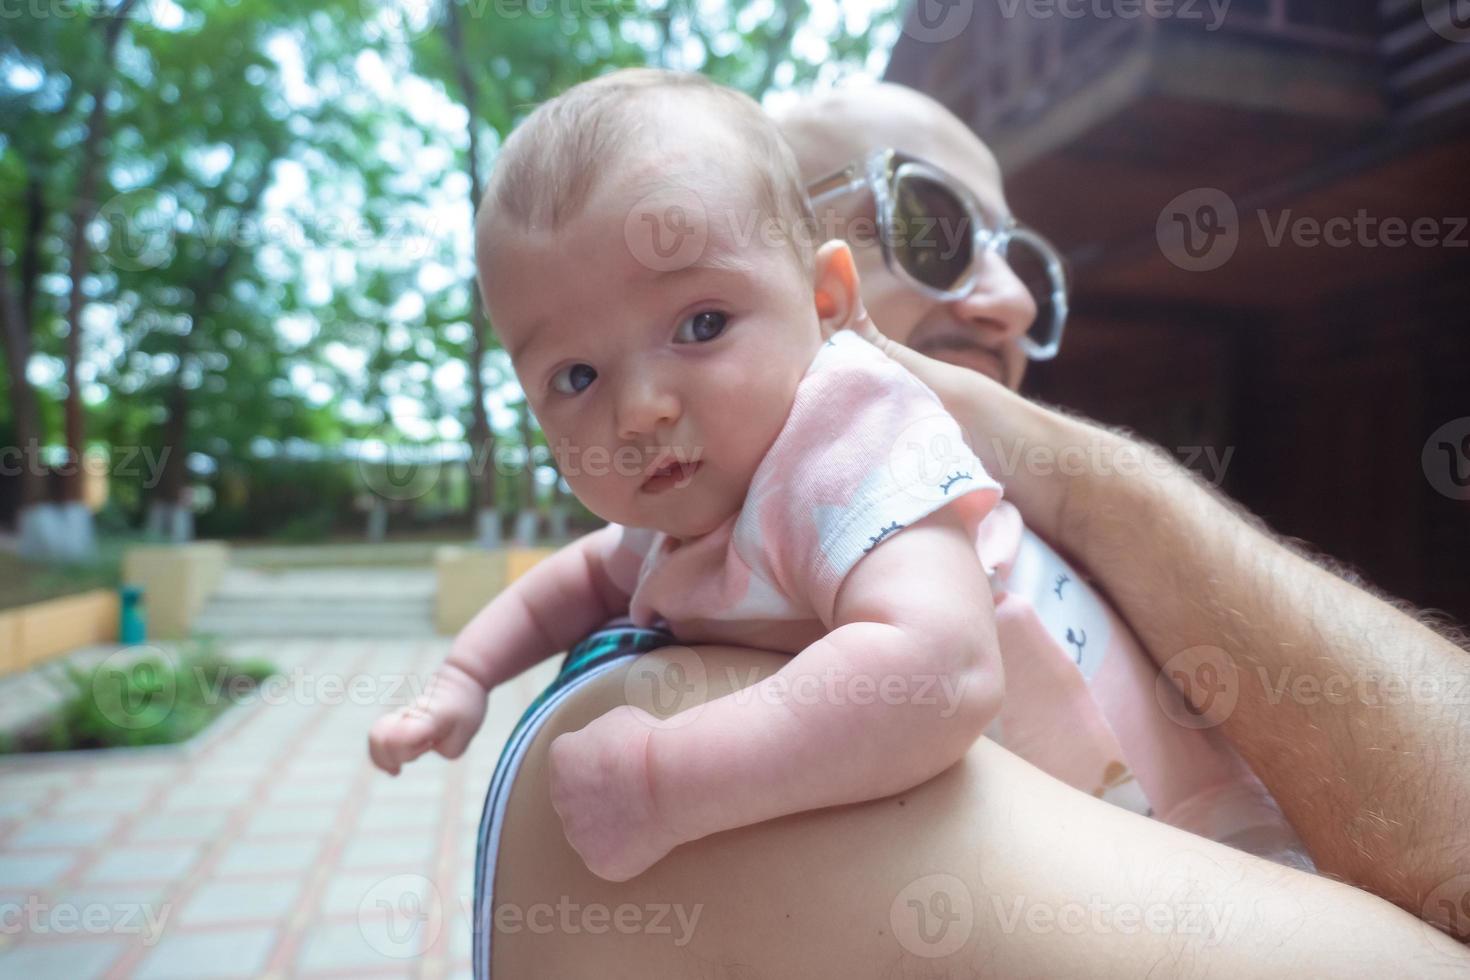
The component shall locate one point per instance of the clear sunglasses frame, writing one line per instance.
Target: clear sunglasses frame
(883, 170)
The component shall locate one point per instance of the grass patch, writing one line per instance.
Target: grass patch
(149, 699)
(22, 583)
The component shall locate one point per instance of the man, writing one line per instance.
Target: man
(1373, 769)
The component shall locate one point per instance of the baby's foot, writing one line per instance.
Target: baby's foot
(600, 789)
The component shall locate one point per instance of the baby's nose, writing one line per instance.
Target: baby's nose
(646, 409)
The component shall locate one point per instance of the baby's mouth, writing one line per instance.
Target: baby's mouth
(670, 474)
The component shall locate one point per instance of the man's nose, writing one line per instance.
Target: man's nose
(646, 406)
(999, 304)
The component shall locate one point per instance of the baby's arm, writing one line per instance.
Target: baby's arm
(903, 685)
(556, 603)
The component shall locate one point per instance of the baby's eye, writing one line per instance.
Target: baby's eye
(574, 379)
(703, 327)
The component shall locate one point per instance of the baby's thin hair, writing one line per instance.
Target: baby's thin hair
(550, 165)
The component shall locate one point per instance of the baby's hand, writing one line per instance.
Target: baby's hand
(600, 789)
(444, 718)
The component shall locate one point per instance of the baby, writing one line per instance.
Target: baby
(771, 476)
(773, 480)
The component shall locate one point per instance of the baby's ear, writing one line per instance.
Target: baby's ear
(836, 291)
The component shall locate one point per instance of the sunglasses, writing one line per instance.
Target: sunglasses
(933, 234)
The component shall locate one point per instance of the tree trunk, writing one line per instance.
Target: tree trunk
(84, 208)
(171, 511)
(482, 437)
(169, 514)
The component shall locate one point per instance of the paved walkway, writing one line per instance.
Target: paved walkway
(268, 846)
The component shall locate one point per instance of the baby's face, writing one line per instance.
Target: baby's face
(630, 365)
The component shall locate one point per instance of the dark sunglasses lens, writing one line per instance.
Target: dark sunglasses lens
(1031, 266)
(932, 237)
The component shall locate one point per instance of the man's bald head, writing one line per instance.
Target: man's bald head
(831, 130)
(834, 130)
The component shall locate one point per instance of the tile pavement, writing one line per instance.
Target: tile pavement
(266, 847)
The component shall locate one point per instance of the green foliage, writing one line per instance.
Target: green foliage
(152, 700)
(272, 258)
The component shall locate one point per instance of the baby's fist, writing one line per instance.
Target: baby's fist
(600, 788)
(443, 718)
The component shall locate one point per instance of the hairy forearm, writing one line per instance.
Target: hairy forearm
(866, 711)
(1353, 713)
(546, 610)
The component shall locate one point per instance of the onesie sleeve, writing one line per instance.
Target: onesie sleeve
(867, 451)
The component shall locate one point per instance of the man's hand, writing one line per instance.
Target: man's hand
(1001, 428)
(600, 789)
(444, 718)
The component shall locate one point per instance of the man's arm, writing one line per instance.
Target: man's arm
(1354, 714)
(903, 685)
